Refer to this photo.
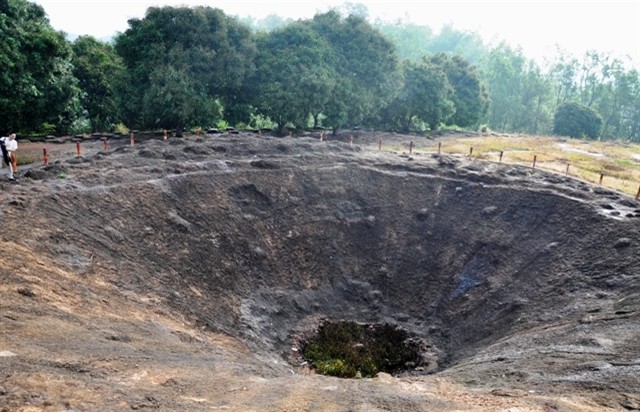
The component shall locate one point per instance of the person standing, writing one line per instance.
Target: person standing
(9, 146)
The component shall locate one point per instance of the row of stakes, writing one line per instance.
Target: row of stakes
(535, 159)
(132, 142)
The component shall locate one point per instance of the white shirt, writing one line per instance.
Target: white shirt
(11, 145)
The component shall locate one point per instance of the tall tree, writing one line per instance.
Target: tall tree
(99, 70)
(425, 98)
(36, 81)
(366, 64)
(411, 40)
(466, 44)
(293, 80)
(503, 68)
(213, 51)
(469, 97)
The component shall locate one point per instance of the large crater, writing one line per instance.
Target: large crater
(508, 274)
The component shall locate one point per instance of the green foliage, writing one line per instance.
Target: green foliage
(577, 120)
(121, 128)
(411, 40)
(521, 95)
(174, 99)
(180, 67)
(36, 81)
(80, 125)
(258, 121)
(425, 97)
(349, 349)
(47, 128)
(99, 71)
(366, 65)
(470, 98)
(222, 124)
(184, 65)
(292, 78)
(414, 42)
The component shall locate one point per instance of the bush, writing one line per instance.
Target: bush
(577, 120)
(121, 128)
(349, 349)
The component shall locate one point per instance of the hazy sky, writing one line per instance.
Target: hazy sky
(537, 26)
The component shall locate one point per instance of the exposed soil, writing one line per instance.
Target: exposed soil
(180, 274)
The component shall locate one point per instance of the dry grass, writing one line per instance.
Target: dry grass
(618, 163)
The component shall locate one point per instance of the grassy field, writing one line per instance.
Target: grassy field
(617, 163)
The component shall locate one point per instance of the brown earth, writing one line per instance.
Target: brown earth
(178, 275)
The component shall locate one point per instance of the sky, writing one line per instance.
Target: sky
(576, 26)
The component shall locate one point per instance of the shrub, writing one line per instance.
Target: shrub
(349, 349)
(121, 128)
(577, 120)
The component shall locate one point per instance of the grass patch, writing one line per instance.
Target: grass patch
(353, 350)
(587, 160)
(27, 159)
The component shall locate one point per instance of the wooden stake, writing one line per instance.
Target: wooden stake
(566, 173)
(638, 194)
(164, 131)
(380, 144)
(601, 177)
(410, 147)
(439, 147)
(106, 145)
(78, 148)
(132, 138)
(471, 151)
(45, 155)
(501, 153)
(535, 157)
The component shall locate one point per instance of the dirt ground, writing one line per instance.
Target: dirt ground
(178, 275)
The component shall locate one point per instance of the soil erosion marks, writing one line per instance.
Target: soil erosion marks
(507, 279)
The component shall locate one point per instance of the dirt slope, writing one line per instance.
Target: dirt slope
(177, 274)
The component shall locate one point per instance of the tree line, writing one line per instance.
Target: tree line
(179, 68)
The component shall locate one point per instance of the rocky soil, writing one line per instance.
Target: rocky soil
(179, 275)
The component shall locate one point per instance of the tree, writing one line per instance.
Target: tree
(202, 45)
(470, 98)
(99, 70)
(37, 86)
(366, 65)
(410, 40)
(423, 98)
(466, 44)
(503, 68)
(534, 113)
(562, 74)
(175, 99)
(577, 120)
(293, 80)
